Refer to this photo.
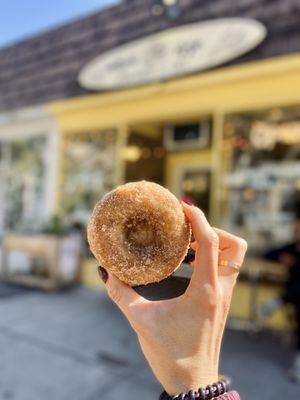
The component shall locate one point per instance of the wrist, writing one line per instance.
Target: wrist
(183, 380)
(190, 374)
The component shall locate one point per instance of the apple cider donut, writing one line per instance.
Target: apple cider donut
(139, 233)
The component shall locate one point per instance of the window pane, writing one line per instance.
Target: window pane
(90, 171)
(264, 179)
(25, 184)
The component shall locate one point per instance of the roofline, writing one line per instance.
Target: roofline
(235, 73)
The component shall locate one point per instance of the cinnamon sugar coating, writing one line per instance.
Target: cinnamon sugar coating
(139, 233)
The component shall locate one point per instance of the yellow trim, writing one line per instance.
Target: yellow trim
(216, 162)
(175, 161)
(258, 69)
(60, 175)
(256, 85)
(122, 140)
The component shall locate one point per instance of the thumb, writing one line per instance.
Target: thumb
(124, 296)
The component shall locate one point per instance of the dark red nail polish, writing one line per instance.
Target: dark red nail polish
(187, 201)
(103, 274)
(193, 240)
(190, 257)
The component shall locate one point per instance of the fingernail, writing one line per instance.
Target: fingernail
(103, 274)
(187, 201)
(193, 240)
(190, 257)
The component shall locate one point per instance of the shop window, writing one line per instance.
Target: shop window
(190, 136)
(263, 180)
(23, 183)
(90, 171)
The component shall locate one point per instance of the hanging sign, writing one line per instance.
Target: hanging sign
(172, 53)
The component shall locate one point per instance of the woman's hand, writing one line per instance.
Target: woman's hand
(181, 337)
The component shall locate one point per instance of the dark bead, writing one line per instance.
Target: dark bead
(214, 388)
(210, 391)
(164, 396)
(202, 395)
(219, 389)
(223, 385)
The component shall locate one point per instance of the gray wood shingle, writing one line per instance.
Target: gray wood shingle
(45, 67)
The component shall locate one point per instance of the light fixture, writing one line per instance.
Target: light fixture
(145, 153)
(169, 3)
(158, 152)
(131, 153)
(157, 10)
(169, 8)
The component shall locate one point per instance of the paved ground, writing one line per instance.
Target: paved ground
(77, 346)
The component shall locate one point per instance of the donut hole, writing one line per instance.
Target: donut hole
(140, 233)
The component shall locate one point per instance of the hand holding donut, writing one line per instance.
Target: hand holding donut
(181, 337)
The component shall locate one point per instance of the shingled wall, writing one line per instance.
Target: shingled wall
(45, 68)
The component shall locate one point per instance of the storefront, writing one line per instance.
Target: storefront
(242, 174)
(228, 138)
(232, 104)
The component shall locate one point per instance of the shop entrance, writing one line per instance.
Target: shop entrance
(145, 154)
(176, 155)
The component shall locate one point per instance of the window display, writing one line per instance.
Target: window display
(22, 179)
(90, 168)
(195, 187)
(264, 181)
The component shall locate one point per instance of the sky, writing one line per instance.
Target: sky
(20, 19)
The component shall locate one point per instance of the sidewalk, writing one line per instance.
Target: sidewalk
(77, 346)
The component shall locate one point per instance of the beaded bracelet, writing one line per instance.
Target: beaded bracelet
(210, 392)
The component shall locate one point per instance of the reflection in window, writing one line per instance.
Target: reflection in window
(264, 181)
(22, 176)
(90, 165)
(195, 187)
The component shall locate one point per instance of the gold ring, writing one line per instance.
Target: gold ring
(229, 263)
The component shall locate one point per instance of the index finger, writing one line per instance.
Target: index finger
(206, 258)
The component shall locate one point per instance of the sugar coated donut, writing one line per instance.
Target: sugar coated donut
(139, 233)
